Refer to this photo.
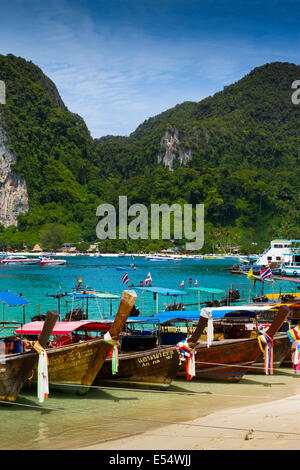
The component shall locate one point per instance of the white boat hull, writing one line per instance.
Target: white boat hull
(290, 271)
(53, 263)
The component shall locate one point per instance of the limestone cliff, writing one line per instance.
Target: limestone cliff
(13, 190)
(173, 149)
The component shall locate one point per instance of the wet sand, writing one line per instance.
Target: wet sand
(271, 426)
(190, 415)
(265, 425)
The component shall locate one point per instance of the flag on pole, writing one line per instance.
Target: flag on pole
(148, 279)
(182, 284)
(265, 273)
(125, 279)
(250, 273)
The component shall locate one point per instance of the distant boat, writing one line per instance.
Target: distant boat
(164, 258)
(18, 260)
(51, 261)
(126, 268)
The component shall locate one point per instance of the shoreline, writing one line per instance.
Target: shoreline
(219, 256)
(274, 425)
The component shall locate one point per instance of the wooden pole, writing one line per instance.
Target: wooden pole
(249, 290)
(49, 323)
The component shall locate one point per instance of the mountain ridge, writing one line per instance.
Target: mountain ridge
(234, 151)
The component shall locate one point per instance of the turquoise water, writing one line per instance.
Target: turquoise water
(35, 283)
(72, 422)
(68, 421)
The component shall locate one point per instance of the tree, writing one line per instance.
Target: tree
(52, 236)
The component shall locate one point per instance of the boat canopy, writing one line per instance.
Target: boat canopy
(162, 290)
(217, 313)
(12, 300)
(63, 327)
(92, 295)
(256, 266)
(208, 290)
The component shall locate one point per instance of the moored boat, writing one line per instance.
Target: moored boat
(51, 261)
(151, 366)
(18, 260)
(76, 354)
(230, 359)
(17, 365)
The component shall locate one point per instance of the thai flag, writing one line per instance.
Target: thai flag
(148, 279)
(182, 284)
(266, 273)
(125, 279)
(196, 283)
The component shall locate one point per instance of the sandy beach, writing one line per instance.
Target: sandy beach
(270, 426)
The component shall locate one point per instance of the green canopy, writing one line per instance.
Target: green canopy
(208, 290)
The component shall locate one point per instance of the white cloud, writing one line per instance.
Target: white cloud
(114, 77)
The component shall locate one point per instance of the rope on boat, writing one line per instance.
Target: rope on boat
(240, 366)
(99, 310)
(129, 418)
(165, 392)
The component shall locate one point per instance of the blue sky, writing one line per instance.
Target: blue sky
(117, 63)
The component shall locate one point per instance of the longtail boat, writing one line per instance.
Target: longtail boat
(16, 368)
(230, 359)
(76, 354)
(152, 366)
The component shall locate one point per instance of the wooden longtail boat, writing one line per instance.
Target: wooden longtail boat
(230, 359)
(157, 366)
(15, 369)
(78, 363)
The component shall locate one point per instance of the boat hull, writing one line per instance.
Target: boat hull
(53, 263)
(225, 360)
(15, 369)
(14, 372)
(290, 271)
(157, 367)
(74, 365)
(19, 263)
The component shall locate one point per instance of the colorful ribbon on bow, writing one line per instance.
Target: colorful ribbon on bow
(294, 337)
(188, 355)
(207, 313)
(115, 356)
(42, 374)
(267, 352)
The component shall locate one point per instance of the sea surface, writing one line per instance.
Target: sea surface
(69, 421)
(37, 283)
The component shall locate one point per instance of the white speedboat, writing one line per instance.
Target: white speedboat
(18, 260)
(51, 261)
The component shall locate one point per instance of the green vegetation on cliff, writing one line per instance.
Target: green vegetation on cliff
(243, 141)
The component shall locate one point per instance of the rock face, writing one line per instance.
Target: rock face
(173, 150)
(13, 189)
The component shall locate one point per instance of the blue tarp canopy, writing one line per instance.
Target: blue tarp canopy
(12, 300)
(208, 290)
(217, 313)
(131, 320)
(182, 315)
(93, 295)
(162, 290)
(256, 266)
